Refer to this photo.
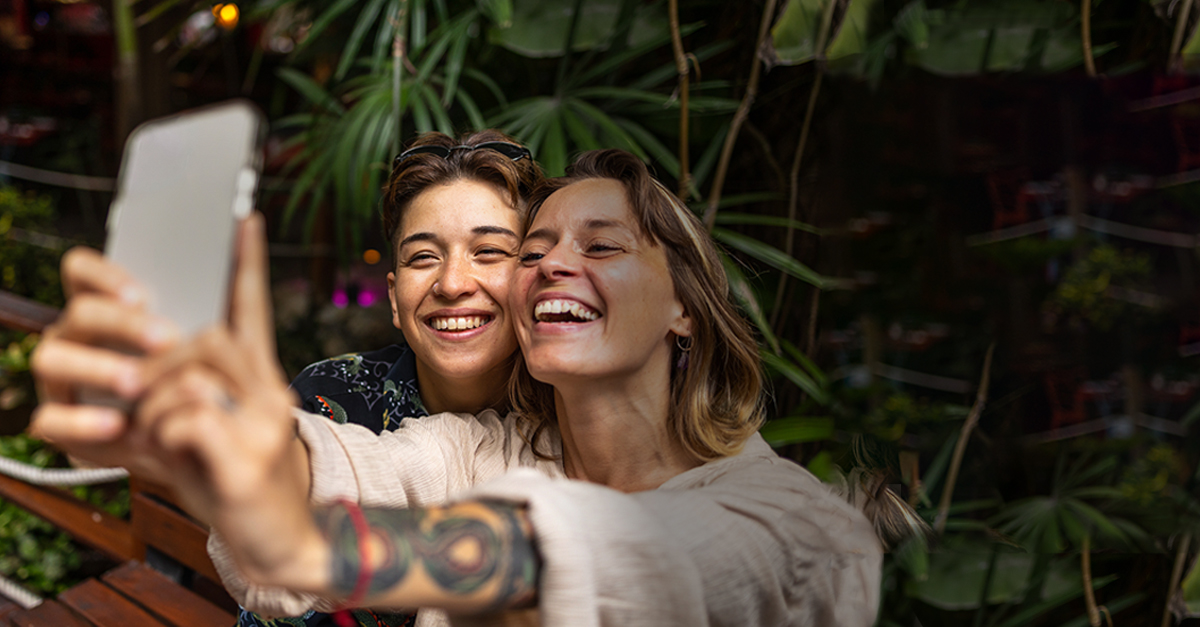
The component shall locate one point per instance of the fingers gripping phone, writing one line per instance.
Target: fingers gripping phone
(185, 182)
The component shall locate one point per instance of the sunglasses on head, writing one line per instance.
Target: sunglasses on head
(510, 150)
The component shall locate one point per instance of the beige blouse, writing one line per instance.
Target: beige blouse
(747, 540)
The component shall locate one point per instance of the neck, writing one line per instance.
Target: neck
(469, 395)
(615, 432)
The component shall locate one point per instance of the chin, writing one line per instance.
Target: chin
(558, 371)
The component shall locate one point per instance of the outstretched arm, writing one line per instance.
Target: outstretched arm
(466, 557)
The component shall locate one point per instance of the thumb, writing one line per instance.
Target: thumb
(250, 311)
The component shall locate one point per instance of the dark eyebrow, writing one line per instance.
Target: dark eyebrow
(603, 224)
(493, 230)
(545, 234)
(417, 237)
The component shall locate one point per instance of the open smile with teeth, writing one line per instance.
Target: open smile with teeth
(459, 323)
(559, 310)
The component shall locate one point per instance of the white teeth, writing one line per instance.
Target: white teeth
(559, 306)
(457, 324)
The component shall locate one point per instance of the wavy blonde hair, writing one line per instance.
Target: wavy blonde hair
(716, 401)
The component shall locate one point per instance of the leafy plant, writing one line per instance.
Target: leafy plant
(32, 551)
(1085, 290)
(1053, 522)
(16, 386)
(27, 267)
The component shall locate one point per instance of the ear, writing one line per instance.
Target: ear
(681, 325)
(392, 299)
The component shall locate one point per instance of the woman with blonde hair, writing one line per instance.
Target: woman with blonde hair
(629, 487)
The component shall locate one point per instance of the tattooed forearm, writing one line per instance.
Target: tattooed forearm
(474, 554)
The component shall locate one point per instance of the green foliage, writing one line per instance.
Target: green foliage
(569, 75)
(32, 551)
(1074, 509)
(1085, 289)
(1149, 478)
(1026, 253)
(25, 268)
(16, 385)
(957, 39)
(958, 569)
(535, 24)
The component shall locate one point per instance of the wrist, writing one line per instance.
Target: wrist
(303, 568)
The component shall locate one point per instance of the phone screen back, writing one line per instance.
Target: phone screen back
(185, 181)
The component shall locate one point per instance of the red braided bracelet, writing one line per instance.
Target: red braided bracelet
(362, 532)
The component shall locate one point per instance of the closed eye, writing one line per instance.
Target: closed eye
(602, 247)
(420, 259)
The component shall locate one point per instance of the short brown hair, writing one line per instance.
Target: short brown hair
(422, 171)
(716, 401)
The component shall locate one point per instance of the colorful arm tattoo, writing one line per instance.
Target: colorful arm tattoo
(480, 552)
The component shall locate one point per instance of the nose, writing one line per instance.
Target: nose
(559, 262)
(456, 279)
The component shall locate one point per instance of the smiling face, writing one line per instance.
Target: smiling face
(455, 255)
(593, 297)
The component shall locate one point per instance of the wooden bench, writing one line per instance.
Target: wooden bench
(133, 594)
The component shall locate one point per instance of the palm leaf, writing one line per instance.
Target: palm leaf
(1026, 616)
(744, 294)
(795, 375)
(616, 134)
(796, 429)
(474, 116)
(322, 22)
(579, 132)
(771, 256)
(664, 156)
(366, 19)
(311, 90)
(553, 153)
(762, 220)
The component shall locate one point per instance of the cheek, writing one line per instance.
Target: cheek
(408, 292)
(498, 279)
(518, 288)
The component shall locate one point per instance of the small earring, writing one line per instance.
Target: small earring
(684, 351)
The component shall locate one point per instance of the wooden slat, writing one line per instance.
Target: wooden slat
(171, 532)
(48, 614)
(81, 520)
(166, 600)
(158, 491)
(22, 314)
(104, 607)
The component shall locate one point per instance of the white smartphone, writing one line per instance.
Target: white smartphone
(184, 183)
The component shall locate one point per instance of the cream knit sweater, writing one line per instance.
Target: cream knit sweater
(746, 540)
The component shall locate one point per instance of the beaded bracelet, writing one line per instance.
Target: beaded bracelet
(362, 532)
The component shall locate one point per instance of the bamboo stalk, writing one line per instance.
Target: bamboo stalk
(1177, 40)
(1089, 595)
(1176, 575)
(681, 67)
(128, 85)
(960, 447)
(794, 191)
(739, 118)
(398, 62)
(1085, 26)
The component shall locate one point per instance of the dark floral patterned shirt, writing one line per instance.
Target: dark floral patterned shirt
(375, 389)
